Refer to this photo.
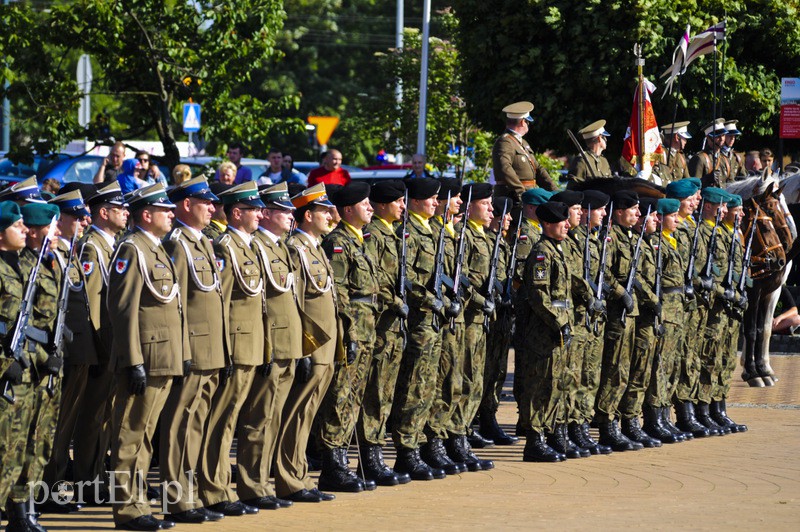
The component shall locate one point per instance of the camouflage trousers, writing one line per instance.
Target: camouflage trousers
(711, 351)
(543, 395)
(729, 347)
(617, 351)
(590, 373)
(521, 319)
(416, 383)
(578, 352)
(474, 362)
(15, 423)
(689, 373)
(666, 363)
(449, 384)
(641, 369)
(498, 341)
(340, 407)
(380, 386)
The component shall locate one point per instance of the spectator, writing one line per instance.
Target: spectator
(331, 171)
(112, 165)
(788, 321)
(243, 174)
(752, 163)
(152, 174)
(226, 173)
(418, 167)
(288, 162)
(767, 161)
(181, 173)
(52, 186)
(127, 178)
(276, 173)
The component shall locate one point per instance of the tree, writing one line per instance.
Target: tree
(154, 55)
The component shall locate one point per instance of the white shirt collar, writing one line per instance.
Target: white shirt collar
(197, 234)
(309, 237)
(272, 236)
(248, 239)
(150, 235)
(107, 237)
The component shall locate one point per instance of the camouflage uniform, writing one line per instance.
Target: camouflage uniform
(729, 344)
(214, 229)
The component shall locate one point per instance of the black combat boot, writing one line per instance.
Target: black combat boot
(536, 450)
(409, 462)
(479, 441)
(18, 520)
(654, 427)
(336, 475)
(703, 415)
(602, 449)
(719, 414)
(687, 422)
(434, 455)
(374, 468)
(557, 439)
(633, 431)
(611, 436)
(459, 450)
(575, 434)
(491, 429)
(664, 415)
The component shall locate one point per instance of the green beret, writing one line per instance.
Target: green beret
(668, 205)
(683, 188)
(714, 195)
(9, 214)
(735, 200)
(696, 181)
(38, 214)
(536, 196)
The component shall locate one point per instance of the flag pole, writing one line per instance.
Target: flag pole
(637, 49)
(722, 66)
(674, 114)
(714, 106)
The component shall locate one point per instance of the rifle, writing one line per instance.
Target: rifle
(637, 253)
(438, 272)
(582, 153)
(509, 285)
(689, 277)
(21, 327)
(748, 253)
(659, 277)
(402, 274)
(729, 293)
(61, 331)
(587, 261)
(708, 270)
(458, 282)
(491, 282)
(601, 274)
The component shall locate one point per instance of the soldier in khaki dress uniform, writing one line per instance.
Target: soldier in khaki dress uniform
(184, 417)
(242, 281)
(673, 166)
(515, 167)
(736, 169)
(149, 346)
(709, 165)
(594, 136)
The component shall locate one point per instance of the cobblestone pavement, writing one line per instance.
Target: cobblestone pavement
(734, 482)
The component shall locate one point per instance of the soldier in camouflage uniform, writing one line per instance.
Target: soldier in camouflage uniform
(735, 160)
(530, 231)
(355, 275)
(219, 221)
(673, 167)
(547, 333)
(709, 165)
(383, 244)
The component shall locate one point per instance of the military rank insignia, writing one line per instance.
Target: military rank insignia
(88, 267)
(121, 265)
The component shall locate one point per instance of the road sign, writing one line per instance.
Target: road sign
(325, 127)
(191, 117)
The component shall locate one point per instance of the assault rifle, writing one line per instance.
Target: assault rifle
(587, 261)
(458, 282)
(658, 322)
(730, 293)
(511, 270)
(402, 274)
(707, 276)
(438, 272)
(61, 331)
(637, 253)
(601, 274)
(746, 260)
(491, 281)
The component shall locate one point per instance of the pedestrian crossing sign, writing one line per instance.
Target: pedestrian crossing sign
(191, 117)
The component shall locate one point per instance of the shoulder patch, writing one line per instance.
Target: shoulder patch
(540, 272)
(88, 267)
(220, 263)
(367, 236)
(223, 239)
(338, 249)
(523, 238)
(540, 257)
(121, 265)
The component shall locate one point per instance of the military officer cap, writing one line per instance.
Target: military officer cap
(625, 199)
(316, 195)
(682, 188)
(193, 188)
(668, 205)
(552, 212)
(295, 188)
(730, 127)
(38, 214)
(422, 188)
(87, 189)
(594, 199)
(387, 191)
(678, 128)
(25, 190)
(246, 193)
(447, 184)
(595, 129)
(519, 110)
(476, 191)
(734, 201)
(647, 202)
(715, 128)
(71, 203)
(501, 202)
(536, 196)
(218, 188)
(714, 195)
(153, 195)
(277, 196)
(355, 192)
(111, 193)
(570, 197)
(9, 214)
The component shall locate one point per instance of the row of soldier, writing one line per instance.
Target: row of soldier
(407, 357)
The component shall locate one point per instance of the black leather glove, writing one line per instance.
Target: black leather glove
(660, 330)
(401, 309)
(53, 365)
(627, 301)
(438, 307)
(488, 307)
(655, 307)
(566, 335)
(303, 369)
(13, 373)
(225, 374)
(187, 367)
(265, 369)
(688, 291)
(597, 306)
(138, 379)
(729, 295)
(707, 284)
(352, 352)
(742, 302)
(453, 309)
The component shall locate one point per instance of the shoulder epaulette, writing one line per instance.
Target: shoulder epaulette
(223, 239)
(175, 234)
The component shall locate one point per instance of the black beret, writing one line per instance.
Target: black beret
(421, 188)
(500, 202)
(453, 186)
(479, 191)
(625, 199)
(87, 189)
(552, 212)
(332, 190)
(594, 199)
(646, 202)
(387, 191)
(570, 197)
(352, 193)
(217, 188)
(295, 188)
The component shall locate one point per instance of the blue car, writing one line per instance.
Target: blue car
(81, 169)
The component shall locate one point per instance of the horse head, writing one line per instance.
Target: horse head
(768, 251)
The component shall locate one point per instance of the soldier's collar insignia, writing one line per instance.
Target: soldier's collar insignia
(121, 265)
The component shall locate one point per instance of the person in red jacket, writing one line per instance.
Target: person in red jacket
(331, 171)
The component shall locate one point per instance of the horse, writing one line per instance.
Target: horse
(766, 207)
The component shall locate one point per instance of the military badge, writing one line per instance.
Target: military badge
(338, 249)
(121, 265)
(540, 257)
(88, 267)
(523, 238)
(220, 264)
(540, 272)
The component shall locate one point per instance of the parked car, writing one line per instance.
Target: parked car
(11, 172)
(307, 166)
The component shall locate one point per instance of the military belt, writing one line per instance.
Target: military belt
(372, 300)
(673, 290)
(37, 335)
(560, 303)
